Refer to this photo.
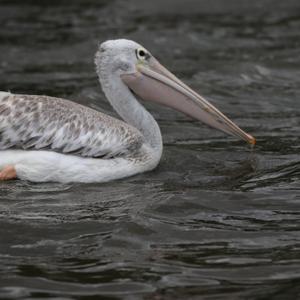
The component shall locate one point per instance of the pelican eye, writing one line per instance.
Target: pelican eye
(142, 54)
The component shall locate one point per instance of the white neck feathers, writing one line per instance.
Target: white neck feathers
(129, 108)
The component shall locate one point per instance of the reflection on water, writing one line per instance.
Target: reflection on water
(215, 220)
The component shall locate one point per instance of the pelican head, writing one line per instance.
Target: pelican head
(147, 79)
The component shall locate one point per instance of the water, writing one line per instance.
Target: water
(215, 220)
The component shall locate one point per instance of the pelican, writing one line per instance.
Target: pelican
(51, 139)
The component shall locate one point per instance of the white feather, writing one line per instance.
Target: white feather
(3, 95)
(42, 166)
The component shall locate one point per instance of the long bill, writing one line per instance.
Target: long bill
(154, 82)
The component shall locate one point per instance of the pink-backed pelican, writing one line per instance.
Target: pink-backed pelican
(50, 139)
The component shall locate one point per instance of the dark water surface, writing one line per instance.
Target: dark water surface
(214, 220)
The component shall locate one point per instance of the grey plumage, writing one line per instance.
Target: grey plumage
(42, 122)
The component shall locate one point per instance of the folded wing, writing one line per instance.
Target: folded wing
(47, 123)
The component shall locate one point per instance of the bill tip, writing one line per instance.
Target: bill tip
(252, 140)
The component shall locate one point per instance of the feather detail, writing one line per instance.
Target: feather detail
(42, 122)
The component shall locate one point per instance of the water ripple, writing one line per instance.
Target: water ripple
(216, 219)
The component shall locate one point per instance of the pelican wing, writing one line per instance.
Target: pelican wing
(42, 122)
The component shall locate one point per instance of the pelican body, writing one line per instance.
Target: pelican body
(51, 139)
